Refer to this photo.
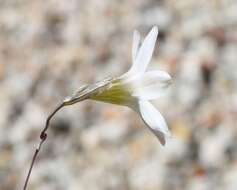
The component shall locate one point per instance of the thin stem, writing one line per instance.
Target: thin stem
(43, 134)
(43, 137)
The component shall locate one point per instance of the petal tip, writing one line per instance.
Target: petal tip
(161, 137)
(155, 29)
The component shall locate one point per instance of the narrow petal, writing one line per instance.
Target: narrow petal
(144, 54)
(150, 85)
(154, 120)
(152, 77)
(135, 45)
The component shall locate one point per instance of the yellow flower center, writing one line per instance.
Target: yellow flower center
(116, 93)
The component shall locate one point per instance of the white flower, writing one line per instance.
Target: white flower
(134, 88)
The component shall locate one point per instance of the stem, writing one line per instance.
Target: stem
(43, 137)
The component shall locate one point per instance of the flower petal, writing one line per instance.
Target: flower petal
(135, 45)
(154, 120)
(150, 85)
(144, 54)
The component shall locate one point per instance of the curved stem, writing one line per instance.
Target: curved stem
(43, 137)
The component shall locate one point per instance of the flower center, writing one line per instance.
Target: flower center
(116, 93)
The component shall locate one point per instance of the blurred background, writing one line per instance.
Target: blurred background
(48, 49)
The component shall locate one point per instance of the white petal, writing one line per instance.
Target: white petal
(144, 54)
(154, 120)
(152, 77)
(150, 85)
(135, 45)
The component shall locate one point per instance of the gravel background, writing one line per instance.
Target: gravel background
(48, 49)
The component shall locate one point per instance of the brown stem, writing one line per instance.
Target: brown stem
(43, 137)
